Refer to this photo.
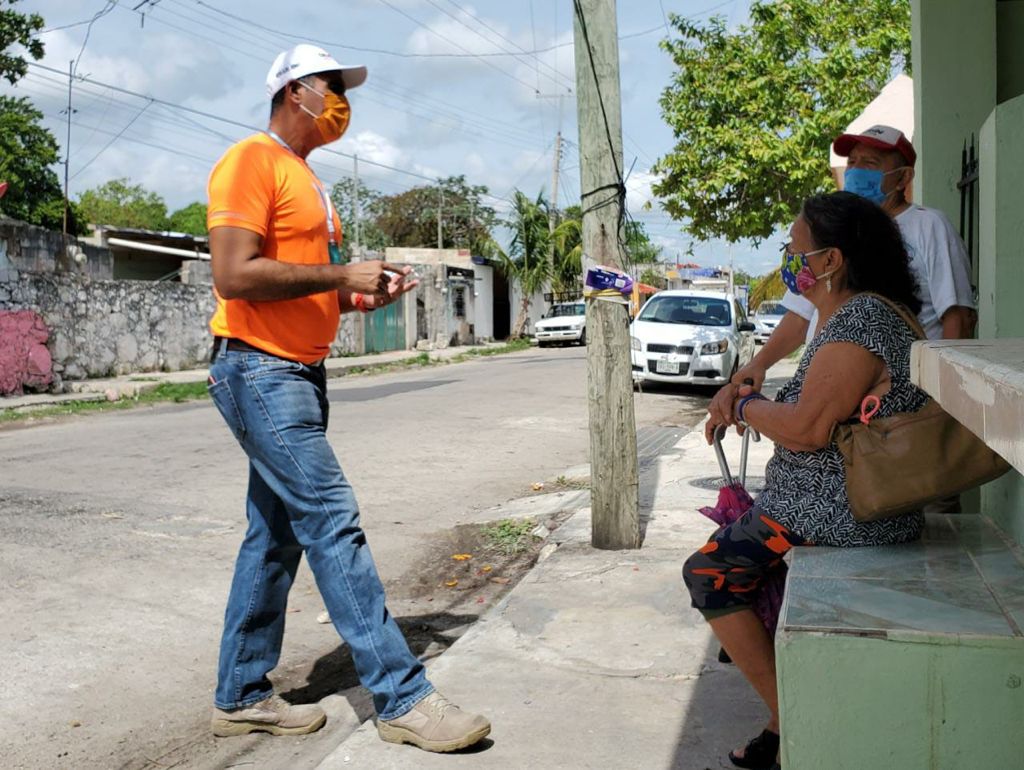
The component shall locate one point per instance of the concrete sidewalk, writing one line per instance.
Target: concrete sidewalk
(596, 660)
(130, 385)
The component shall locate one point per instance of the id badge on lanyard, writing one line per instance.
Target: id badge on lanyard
(333, 247)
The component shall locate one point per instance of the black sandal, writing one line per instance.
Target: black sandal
(760, 753)
(723, 656)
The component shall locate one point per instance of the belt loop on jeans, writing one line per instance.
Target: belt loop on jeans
(223, 346)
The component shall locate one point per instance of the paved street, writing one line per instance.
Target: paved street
(118, 533)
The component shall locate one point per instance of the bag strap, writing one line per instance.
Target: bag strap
(909, 318)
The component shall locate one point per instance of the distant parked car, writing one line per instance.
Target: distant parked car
(565, 322)
(766, 318)
(690, 336)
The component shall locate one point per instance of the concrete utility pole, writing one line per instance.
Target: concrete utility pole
(67, 156)
(440, 205)
(614, 481)
(553, 203)
(355, 202)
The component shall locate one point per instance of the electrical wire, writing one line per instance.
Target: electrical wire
(434, 32)
(113, 139)
(107, 8)
(222, 119)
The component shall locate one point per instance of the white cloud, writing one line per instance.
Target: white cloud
(373, 147)
(174, 66)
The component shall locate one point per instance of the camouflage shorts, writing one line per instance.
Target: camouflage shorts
(723, 574)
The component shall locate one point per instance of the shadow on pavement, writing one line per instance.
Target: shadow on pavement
(722, 714)
(428, 636)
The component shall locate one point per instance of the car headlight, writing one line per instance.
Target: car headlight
(635, 342)
(714, 347)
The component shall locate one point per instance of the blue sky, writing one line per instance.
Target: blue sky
(485, 113)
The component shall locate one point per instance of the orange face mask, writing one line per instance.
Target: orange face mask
(333, 121)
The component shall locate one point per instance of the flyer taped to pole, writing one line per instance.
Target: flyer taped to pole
(608, 285)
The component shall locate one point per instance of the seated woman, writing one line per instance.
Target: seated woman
(841, 247)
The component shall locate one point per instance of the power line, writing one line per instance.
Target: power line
(113, 139)
(372, 87)
(386, 52)
(229, 121)
(522, 52)
(107, 8)
(434, 32)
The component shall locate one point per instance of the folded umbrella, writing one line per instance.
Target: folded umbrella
(733, 502)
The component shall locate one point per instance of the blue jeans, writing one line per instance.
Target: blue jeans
(299, 501)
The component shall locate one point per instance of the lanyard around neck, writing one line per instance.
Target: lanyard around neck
(325, 199)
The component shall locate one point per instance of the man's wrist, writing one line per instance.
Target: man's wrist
(359, 302)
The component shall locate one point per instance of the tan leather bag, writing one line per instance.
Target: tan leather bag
(894, 465)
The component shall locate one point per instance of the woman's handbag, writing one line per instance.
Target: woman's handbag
(894, 465)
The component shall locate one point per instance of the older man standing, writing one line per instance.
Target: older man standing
(881, 168)
(281, 287)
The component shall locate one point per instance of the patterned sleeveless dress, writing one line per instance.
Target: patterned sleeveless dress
(806, 491)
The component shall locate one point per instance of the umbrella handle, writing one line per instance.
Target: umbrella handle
(748, 434)
(716, 441)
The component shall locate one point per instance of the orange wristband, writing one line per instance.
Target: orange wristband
(359, 302)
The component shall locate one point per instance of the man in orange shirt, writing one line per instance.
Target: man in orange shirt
(281, 287)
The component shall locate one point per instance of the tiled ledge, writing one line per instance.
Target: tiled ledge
(980, 383)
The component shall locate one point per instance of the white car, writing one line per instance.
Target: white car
(565, 322)
(690, 336)
(766, 318)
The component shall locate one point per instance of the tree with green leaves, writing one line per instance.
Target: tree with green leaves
(190, 219)
(370, 235)
(27, 149)
(119, 203)
(567, 262)
(527, 264)
(640, 250)
(765, 288)
(410, 218)
(755, 110)
(18, 29)
(27, 152)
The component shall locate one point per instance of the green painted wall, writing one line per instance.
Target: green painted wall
(929, 703)
(1010, 47)
(1001, 279)
(954, 61)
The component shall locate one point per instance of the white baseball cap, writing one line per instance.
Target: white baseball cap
(305, 59)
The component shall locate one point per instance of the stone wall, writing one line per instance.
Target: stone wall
(25, 361)
(99, 327)
(103, 328)
(24, 247)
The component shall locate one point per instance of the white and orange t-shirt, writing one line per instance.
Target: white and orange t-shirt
(263, 187)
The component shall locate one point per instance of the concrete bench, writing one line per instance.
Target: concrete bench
(905, 657)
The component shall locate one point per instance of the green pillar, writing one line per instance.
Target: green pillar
(954, 61)
(1001, 279)
(1010, 82)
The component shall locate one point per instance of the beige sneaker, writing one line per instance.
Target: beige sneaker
(272, 715)
(435, 724)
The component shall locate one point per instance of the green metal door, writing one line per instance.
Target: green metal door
(385, 328)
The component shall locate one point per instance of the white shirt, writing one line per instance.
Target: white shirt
(938, 260)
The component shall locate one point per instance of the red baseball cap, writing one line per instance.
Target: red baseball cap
(882, 137)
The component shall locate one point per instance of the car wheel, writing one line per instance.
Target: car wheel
(583, 338)
(541, 344)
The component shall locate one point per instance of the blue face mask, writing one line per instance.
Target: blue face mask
(867, 183)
